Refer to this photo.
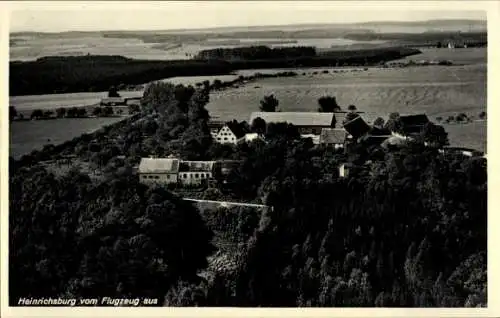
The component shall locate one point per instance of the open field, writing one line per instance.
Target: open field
(457, 56)
(434, 90)
(192, 80)
(472, 135)
(53, 101)
(26, 136)
(28, 48)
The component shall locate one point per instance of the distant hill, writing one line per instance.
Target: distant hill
(450, 24)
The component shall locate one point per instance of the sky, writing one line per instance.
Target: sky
(47, 16)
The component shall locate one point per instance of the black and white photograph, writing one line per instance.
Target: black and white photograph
(266, 154)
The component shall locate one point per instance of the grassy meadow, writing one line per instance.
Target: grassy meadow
(26, 136)
(438, 91)
(457, 56)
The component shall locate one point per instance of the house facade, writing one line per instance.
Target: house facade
(230, 133)
(174, 171)
(195, 172)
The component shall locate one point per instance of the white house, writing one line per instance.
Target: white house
(230, 133)
(158, 170)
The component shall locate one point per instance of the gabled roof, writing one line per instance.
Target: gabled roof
(357, 127)
(159, 165)
(296, 118)
(412, 120)
(332, 136)
(237, 129)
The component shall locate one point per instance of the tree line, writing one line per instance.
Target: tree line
(52, 75)
(256, 53)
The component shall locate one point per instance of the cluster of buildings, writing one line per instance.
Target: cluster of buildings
(331, 130)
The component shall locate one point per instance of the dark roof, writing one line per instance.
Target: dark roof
(357, 127)
(332, 136)
(237, 129)
(215, 124)
(412, 120)
(196, 166)
(412, 130)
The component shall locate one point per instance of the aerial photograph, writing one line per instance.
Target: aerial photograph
(247, 154)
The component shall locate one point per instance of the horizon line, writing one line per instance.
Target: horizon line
(215, 28)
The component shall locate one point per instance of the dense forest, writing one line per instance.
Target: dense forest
(408, 228)
(256, 53)
(51, 75)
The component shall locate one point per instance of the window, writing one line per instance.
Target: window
(196, 175)
(225, 138)
(168, 176)
(157, 177)
(185, 176)
(202, 175)
(144, 177)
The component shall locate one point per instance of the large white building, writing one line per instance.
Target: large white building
(158, 170)
(174, 171)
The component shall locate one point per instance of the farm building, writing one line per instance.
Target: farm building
(173, 171)
(195, 172)
(158, 170)
(306, 122)
(332, 137)
(230, 133)
(357, 127)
